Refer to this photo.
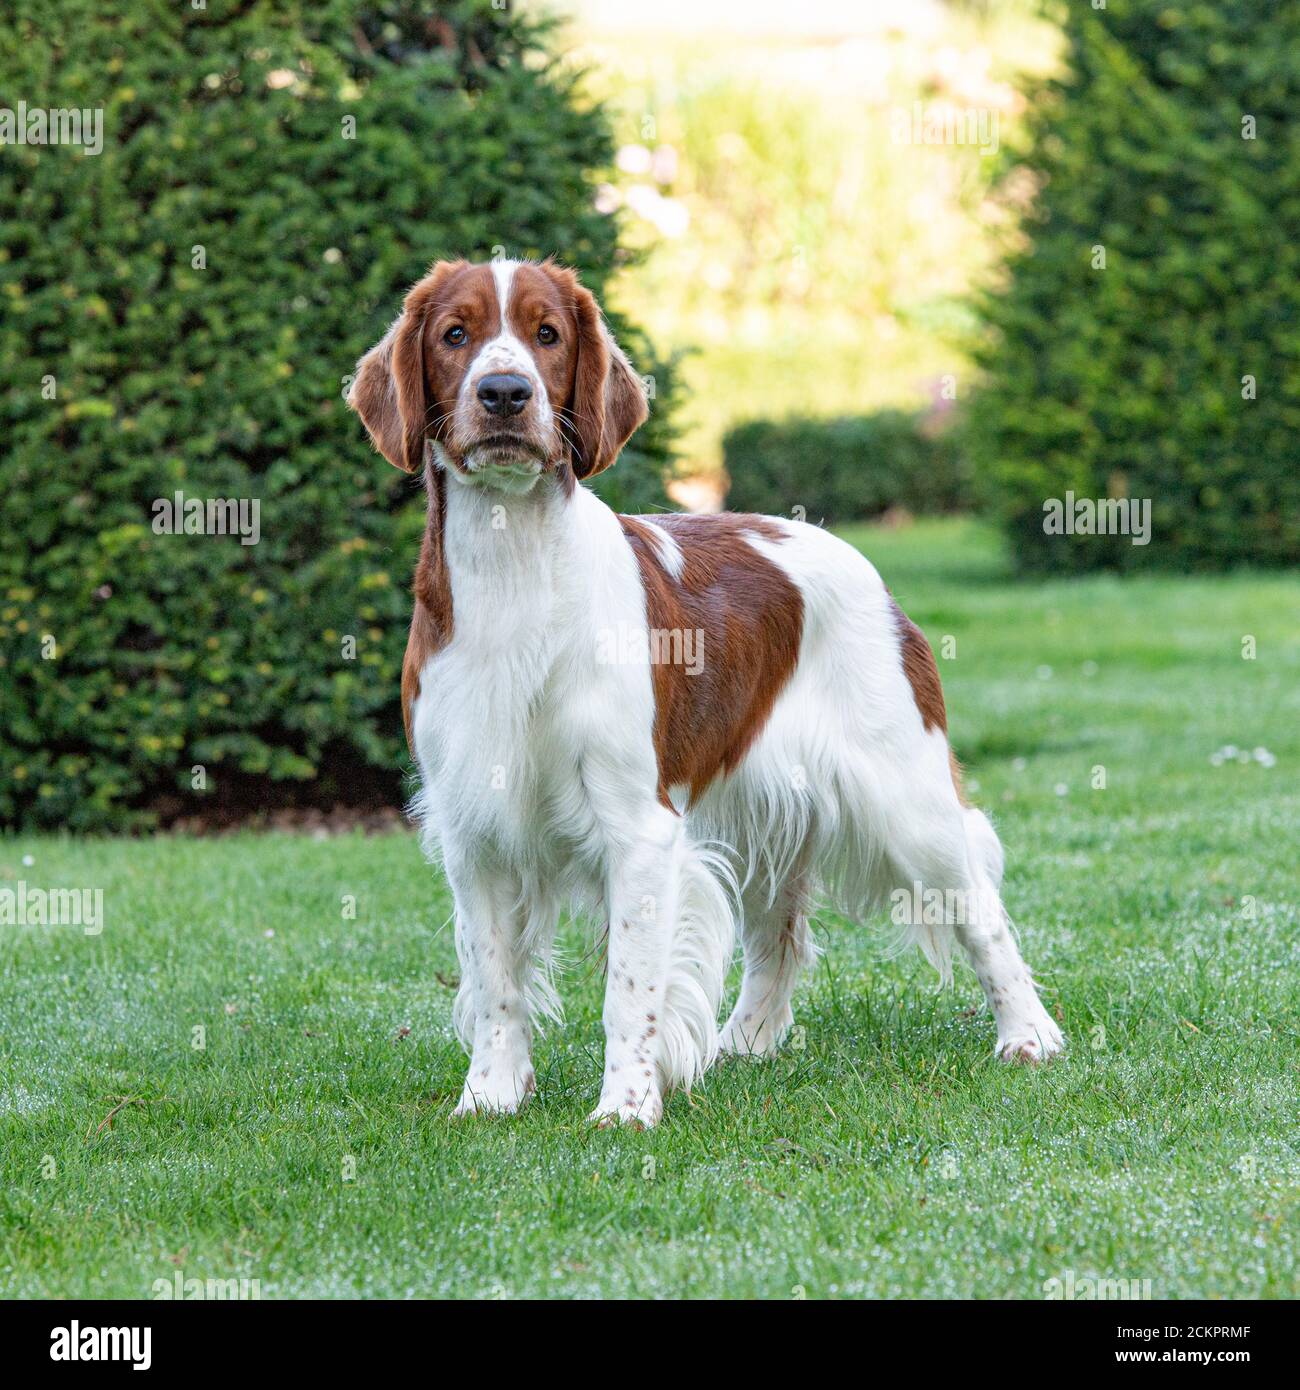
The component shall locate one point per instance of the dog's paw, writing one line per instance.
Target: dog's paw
(642, 1111)
(756, 1036)
(1029, 1045)
(489, 1094)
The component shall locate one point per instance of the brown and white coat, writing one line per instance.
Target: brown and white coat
(683, 723)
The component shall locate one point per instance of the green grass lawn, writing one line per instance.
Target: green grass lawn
(309, 1144)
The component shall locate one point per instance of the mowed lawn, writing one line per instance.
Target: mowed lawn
(308, 1144)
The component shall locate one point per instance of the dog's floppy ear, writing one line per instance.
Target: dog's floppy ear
(388, 391)
(609, 402)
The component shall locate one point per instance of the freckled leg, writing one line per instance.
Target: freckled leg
(491, 1012)
(643, 904)
(1026, 1032)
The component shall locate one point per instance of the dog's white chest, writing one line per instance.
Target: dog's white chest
(528, 711)
(494, 751)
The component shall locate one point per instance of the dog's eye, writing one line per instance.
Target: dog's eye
(546, 334)
(455, 336)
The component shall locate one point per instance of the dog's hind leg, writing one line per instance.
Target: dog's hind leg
(1026, 1032)
(777, 946)
(951, 875)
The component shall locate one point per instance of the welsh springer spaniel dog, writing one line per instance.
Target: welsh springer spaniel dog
(682, 723)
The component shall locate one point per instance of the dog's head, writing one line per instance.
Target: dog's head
(507, 369)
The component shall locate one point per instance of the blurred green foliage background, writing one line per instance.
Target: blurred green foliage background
(809, 255)
(861, 467)
(818, 261)
(1147, 342)
(181, 313)
(863, 320)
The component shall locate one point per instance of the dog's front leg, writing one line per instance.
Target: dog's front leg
(643, 902)
(491, 1013)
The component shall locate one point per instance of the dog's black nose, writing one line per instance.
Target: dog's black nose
(505, 394)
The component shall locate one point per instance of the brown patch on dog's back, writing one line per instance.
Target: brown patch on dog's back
(750, 615)
(921, 672)
(927, 690)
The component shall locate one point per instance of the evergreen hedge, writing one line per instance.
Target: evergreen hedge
(178, 314)
(849, 469)
(1169, 153)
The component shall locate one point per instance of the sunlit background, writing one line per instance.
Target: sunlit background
(792, 243)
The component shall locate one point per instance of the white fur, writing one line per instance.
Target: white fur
(846, 798)
(670, 553)
(539, 787)
(539, 784)
(538, 798)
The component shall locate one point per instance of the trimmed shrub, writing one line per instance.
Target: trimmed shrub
(849, 469)
(1145, 343)
(180, 314)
